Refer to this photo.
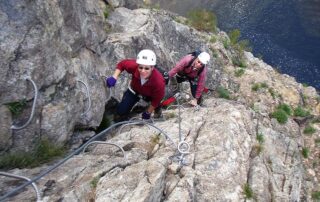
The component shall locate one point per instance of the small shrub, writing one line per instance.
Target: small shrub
(256, 150)
(239, 72)
(285, 108)
(305, 85)
(94, 182)
(238, 61)
(226, 43)
(316, 195)
(247, 191)
(234, 36)
(264, 85)
(299, 111)
(280, 115)
(309, 130)
(317, 142)
(260, 138)
(258, 86)
(255, 87)
(213, 39)
(107, 11)
(202, 20)
(16, 108)
(305, 152)
(272, 93)
(239, 47)
(44, 152)
(223, 93)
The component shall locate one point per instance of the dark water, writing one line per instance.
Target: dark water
(285, 33)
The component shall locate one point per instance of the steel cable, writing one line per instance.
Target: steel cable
(33, 106)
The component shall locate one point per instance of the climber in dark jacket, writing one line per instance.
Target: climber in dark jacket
(147, 83)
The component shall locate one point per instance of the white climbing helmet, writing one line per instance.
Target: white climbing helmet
(146, 57)
(204, 57)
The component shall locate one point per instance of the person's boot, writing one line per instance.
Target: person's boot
(158, 113)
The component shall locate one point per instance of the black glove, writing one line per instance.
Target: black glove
(146, 115)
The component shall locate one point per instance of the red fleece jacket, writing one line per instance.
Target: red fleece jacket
(153, 88)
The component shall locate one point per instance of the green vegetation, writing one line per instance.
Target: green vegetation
(202, 20)
(316, 195)
(258, 86)
(285, 108)
(108, 9)
(226, 43)
(260, 138)
(247, 191)
(43, 153)
(239, 72)
(239, 47)
(223, 93)
(257, 148)
(272, 93)
(16, 108)
(305, 85)
(305, 152)
(309, 130)
(238, 62)
(94, 182)
(281, 113)
(213, 39)
(317, 142)
(299, 111)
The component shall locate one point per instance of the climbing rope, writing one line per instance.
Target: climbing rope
(24, 178)
(88, 96)
(32, 109)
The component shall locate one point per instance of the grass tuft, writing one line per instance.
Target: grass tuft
(202, 20)
(43, 153)
(223, 93)
(305, 152)
(309, 130)
(247, 191)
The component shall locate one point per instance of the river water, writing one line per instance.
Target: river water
(285, 33)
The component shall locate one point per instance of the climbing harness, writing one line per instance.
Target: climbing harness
(88, 96)
(33, 106)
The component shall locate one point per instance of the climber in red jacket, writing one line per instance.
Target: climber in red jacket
(192, 68)
(146, 83)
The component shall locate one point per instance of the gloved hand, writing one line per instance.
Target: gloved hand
(111, 81)
(146, 115)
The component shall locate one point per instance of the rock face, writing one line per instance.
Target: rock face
(236, 150)
(222, 159)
